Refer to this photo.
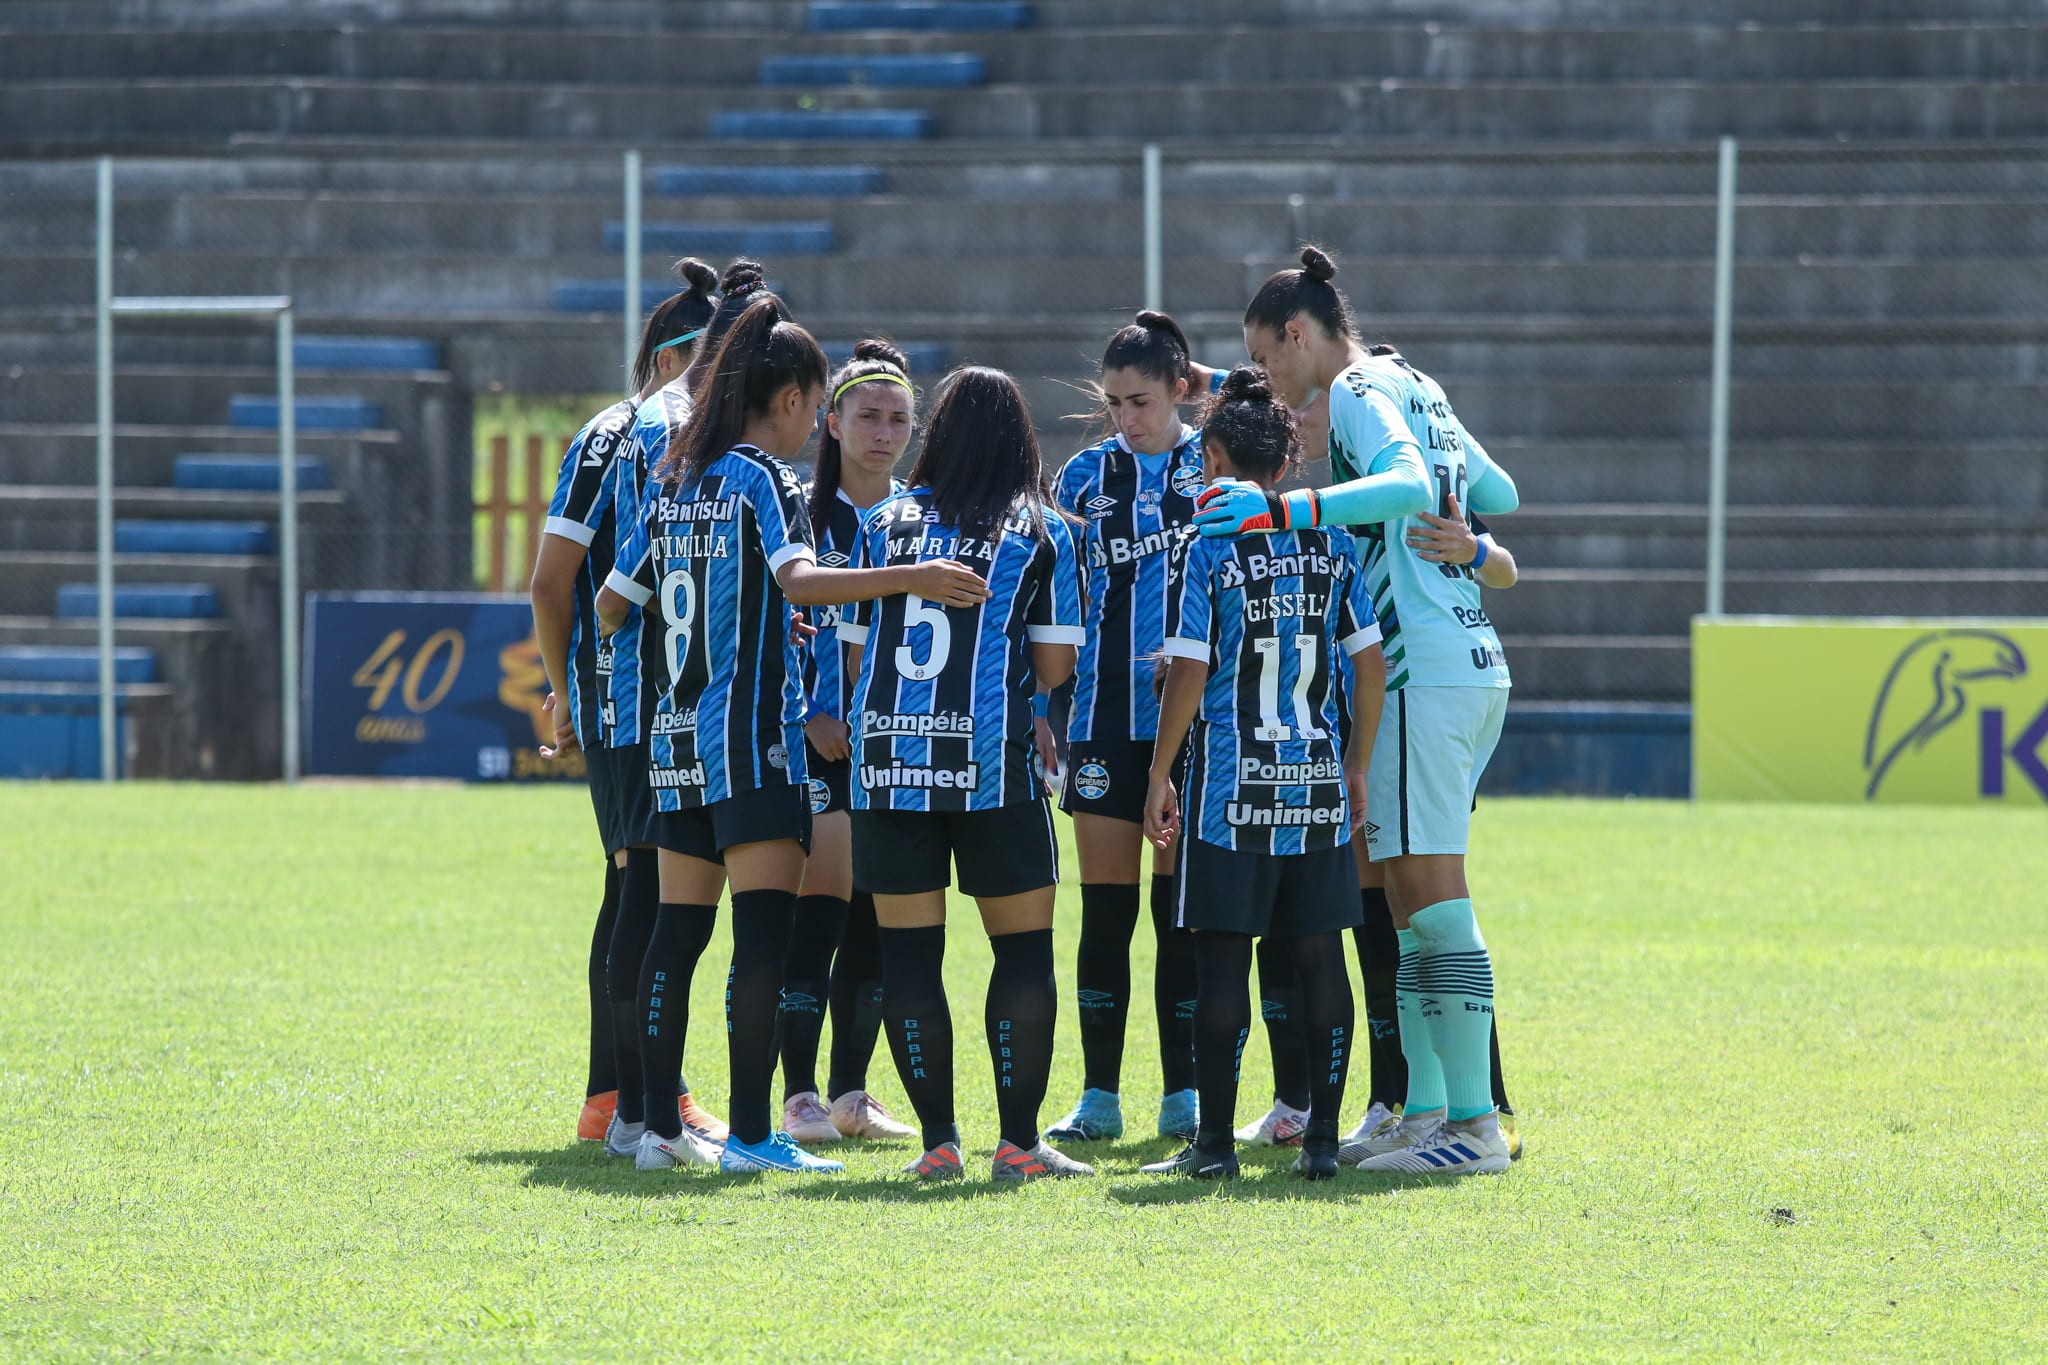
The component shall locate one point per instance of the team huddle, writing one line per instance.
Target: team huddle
(843, 699)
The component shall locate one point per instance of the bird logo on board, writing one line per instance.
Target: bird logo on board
(1929, 687)
(1092, 781)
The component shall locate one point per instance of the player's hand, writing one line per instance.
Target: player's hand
(565, 730)
(1354, 792)
(800, 628)
(1233, 507)
(1048, 754)
(1444, 540)
(949, 583)
(829, 736)
(1162, 813)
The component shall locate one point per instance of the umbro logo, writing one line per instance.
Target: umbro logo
(1098, 508)
(1096, 1000)
(833, 559)
(1371, 829)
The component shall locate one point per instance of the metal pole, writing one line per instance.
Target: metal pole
(632, 246)
(1155, 252)
(103, 459)
(1717, 439)
(288, 538)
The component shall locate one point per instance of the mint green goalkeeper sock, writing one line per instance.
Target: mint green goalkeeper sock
(1455, 976)
(1425, 1077)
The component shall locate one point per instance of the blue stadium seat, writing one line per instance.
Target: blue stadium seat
(365, 353)
(728, 239)
(818, 182)
(73, 664)
(607, 296)
(193, 538)
(925, 357)
(222, 473)
(160, 601)
(314, 414)
(840, 16)
(844, 125)
(936, 70)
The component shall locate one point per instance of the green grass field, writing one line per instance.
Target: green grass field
(293, 1073)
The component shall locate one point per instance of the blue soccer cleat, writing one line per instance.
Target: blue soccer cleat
(1099, 1117)
(1179, 1113)
(778, 1152)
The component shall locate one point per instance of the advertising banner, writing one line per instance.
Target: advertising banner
(1950, 712)
(427, 685)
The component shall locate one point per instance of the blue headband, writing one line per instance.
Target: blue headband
(687, 336)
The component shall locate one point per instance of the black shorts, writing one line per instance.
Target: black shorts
(1109, 778)
(619, 794)
(1287, 896)
(782, 811)
(830, 782)
(1002, 852)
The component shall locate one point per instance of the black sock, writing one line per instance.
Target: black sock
(761, 923)
(1223, 1020)
(806, 981)
(1329, 1020)
(603, 1072)
(639, 902)
(1102, 980)
(856, 999)
(1173, 992)
(921, 1025)
(1379, 955)
(1280, 1006)
(1500, 1087)
(680, 933)
(1022, 1005)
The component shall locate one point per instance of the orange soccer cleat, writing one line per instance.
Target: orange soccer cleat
(597, 1115)
(700, 1120)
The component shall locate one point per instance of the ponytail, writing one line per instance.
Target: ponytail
(1287, 294)
(761, 354)
(678, 321)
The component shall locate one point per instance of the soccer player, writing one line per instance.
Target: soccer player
(1255, 630)
(1134, 493)
(723, 547)
(575, 555)
(1400, 450)
(946, 771)
(834, 953)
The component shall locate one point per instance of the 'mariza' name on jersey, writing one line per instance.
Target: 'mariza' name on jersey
(1269, 615)
(703, 567)
(828, 686)
(637, 678)
(941, 714)
(1437, 634)
(582, 511)
(1135, 507)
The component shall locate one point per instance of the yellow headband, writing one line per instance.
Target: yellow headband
(864, 378)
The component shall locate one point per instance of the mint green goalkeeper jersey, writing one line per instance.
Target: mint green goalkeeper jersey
(1387, 417)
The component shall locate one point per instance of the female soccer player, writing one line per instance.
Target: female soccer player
(946, 769)
(575, 555)
(1135, 494)
(1255, 631)
(1447, 677)
(724, 545)
(834, 954)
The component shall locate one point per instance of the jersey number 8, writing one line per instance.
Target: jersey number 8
(918, 612)
(678, 606)
(1270, 726)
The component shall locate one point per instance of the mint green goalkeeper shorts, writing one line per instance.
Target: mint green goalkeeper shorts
(1433, 744)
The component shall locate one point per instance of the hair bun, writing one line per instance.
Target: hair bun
(882, 349)
(743, 274)
(701, 278)
(1317, 265)
(1246, 384)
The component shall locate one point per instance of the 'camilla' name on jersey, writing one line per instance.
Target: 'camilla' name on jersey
(939, 724)
(897, 775)
(1310, 606)
(1124, 550)
(671, 548)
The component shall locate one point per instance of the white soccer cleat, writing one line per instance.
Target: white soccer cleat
(622, 1140)
(1354, 1150)
(1282, 1126)
(1390, 1134)
(1477, 1150)
(806, 1120)
(857, 1114)
(658, 1153)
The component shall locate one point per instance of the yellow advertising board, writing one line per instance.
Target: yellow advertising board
(1791, 708)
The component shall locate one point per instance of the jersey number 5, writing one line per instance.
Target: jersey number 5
(918, 612)
(678, 606)
(1270, 726)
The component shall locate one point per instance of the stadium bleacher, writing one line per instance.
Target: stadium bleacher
(1522, 195)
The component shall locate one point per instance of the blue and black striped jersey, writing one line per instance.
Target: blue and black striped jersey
(1269, 615)
(582, 511)
(828, 686)
(941, 714)
(731, 718)
(1135, 507)
(637, 678)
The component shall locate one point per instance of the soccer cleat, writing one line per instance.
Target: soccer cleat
(1282, 1126)
(658, 1153)
(857, 1114)
(1013, 1163)
(1447, 1151)
(940, 1163)
(1512, 1137)
(1197, 1164)
(700, 1120)
(1179, 1114)
(596, 1119)
(1318, 1159)
(1099, 1117)
(806, 1120)
(1390, 1134)
(776, 1152)
(623, 1139)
